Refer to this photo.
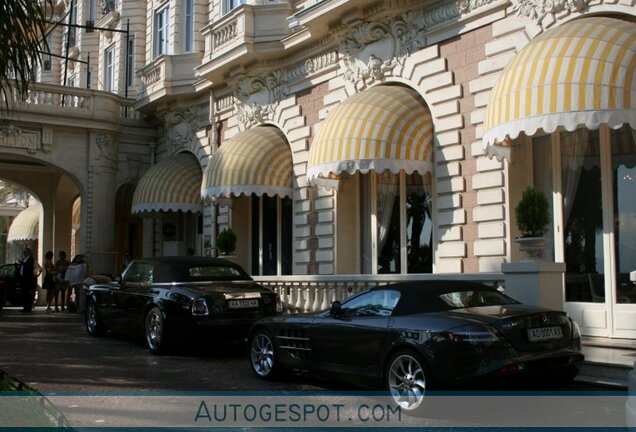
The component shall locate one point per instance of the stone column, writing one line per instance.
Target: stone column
(99, 206)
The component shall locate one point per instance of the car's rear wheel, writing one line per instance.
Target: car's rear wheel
(155, 331)
(407, 379)
(263, 356)
(94, 326)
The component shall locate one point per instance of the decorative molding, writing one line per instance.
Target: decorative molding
(15, 137)
(539, 10)
(181, 127)
(312, 65)
(107, 150)
(374, 49)
(256, 98)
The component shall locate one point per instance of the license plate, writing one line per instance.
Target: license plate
(242, 304)
(544, 334)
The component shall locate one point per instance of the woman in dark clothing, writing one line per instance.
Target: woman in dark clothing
(28, 280)
(49, 282)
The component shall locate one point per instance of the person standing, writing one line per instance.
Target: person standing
(28, 280)
(60, 266)
(49, 282)
(75, 274)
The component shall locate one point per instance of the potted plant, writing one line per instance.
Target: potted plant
(532, 216)
(226, 241)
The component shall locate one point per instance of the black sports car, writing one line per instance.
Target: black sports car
(414, 336)
(9, 285)
(165, 299)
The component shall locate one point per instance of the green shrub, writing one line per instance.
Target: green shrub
(533, 213)
(226, 241)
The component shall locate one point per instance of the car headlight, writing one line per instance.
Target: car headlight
(200, 307)
(473, 335)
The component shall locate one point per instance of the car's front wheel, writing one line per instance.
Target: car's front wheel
(155, 331)
(94, 326)
(407, 379)
(263, 358)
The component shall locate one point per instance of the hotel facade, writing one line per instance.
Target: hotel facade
(346, 143)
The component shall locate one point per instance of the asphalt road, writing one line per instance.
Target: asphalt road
(53, 354)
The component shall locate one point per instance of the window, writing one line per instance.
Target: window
(271, 248)
(188, 26)
(72, 81)
(109, 69)
(138, 272)
(373, 303)
(232, 4)
(392, 225)
(90, 15)
(130, 62)
(47, 57)
(161, 31)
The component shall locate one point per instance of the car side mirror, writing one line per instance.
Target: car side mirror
(335, 309)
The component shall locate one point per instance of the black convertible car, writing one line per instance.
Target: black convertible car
(9, 285)
(414, 336)
(165, 299)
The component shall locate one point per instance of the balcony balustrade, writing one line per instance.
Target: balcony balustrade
(166, 76)
(56, 101)
(300, 294)
(248, 32)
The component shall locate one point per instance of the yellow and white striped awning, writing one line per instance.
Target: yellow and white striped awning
(170, 185)
(383, 128)
(256, 161)
(26, 225)
(581, 73)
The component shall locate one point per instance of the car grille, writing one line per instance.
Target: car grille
(517, 331)
(295, 342)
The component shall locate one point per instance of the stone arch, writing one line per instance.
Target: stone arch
(509, 36)
(427, 72)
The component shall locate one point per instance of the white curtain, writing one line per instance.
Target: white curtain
(388, 190)
(574, 149)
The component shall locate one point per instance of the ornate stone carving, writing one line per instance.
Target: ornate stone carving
(107, 150)
(256, 98)
(181, 128)
(540, 9)
(374, 49)
(447, 11)
(13, 136)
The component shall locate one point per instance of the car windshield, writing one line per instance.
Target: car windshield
(474, 298)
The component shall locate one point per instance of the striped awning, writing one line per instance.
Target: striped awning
(383, 128)
(256, 161)
(171, 185)
(581, 73)
(26, 225)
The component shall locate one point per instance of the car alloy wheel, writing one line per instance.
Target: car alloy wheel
(406, 380)
(93, 326)
(263, 355)
(155, 330)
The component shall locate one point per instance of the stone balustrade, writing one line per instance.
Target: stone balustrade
(301, 294)
(72, 101)
(224, 34)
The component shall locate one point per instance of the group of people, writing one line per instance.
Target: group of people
(62, 280)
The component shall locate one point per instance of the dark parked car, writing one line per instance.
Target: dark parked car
(165, 299)
(414, 336)
(9, 286)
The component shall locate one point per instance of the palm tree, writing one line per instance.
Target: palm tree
(23, 25)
